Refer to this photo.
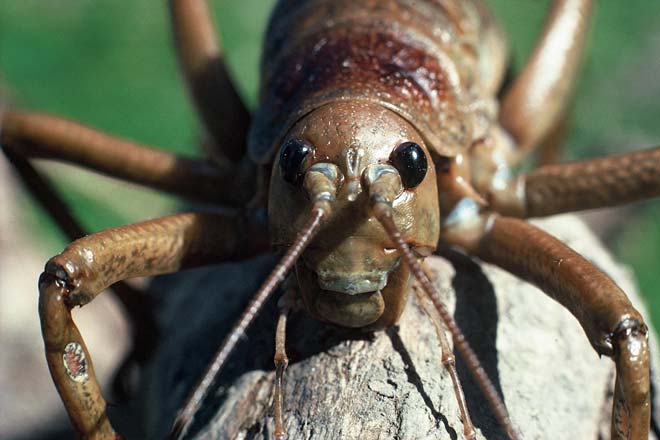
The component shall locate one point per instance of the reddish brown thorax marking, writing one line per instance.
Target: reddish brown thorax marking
(382, 55)
(374, 59)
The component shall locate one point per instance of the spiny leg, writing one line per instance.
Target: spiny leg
(598, 183)
(34, 135)
(448, 361)
(200, 56)
(137, 304)
(611, 323)
(540, 93)
(89, 265)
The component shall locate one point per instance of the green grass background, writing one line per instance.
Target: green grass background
(110, 64)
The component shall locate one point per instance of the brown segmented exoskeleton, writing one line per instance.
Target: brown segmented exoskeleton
(377, 137)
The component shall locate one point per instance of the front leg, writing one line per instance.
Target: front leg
(611, 323)
(89, 265)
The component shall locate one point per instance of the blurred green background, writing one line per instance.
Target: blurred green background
(110, 64)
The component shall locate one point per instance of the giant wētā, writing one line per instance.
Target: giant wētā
(370, 119)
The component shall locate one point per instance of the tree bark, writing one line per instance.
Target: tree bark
(389, 384)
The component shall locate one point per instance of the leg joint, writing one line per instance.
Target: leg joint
(281, 360)
(54, 310)
(448, 360)
(629, 327)
(66, 274)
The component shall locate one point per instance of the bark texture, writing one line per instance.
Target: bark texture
(389, 384)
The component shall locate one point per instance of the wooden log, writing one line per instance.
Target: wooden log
(389, 384)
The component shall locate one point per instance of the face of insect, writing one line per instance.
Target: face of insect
(351, 274)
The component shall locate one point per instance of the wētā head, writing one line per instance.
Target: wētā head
(351, 274)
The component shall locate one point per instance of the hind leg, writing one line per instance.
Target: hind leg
(200, 56)
(540, 93)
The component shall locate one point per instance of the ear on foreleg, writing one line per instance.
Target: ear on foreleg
(69, 361)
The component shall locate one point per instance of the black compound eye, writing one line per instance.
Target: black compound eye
(292, 159)
(409, 159)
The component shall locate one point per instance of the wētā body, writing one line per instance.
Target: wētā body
(379, 122)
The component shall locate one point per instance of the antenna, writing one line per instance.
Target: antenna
(321, 189)
(382, 190)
